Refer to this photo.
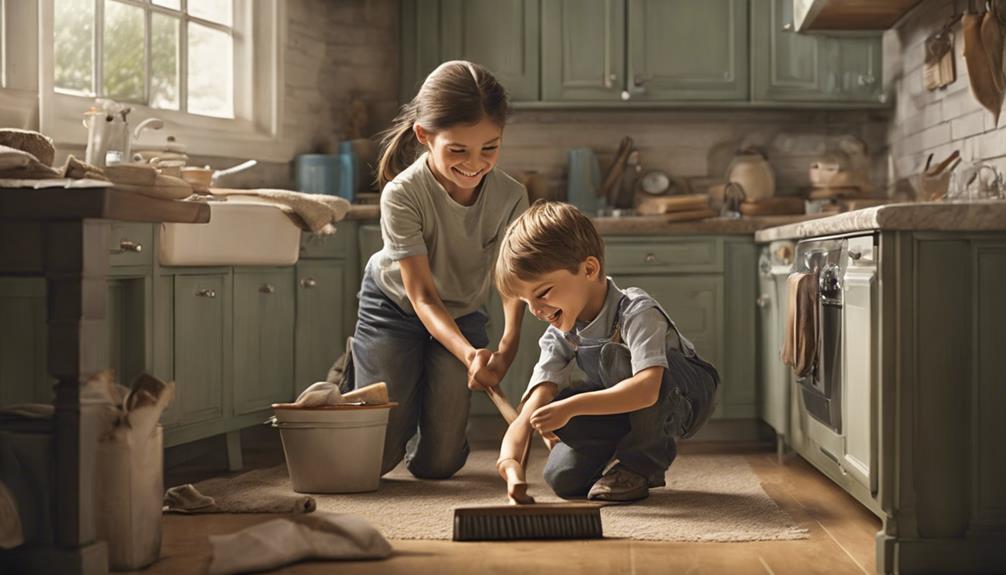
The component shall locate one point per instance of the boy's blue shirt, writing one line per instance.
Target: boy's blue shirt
(643, 326)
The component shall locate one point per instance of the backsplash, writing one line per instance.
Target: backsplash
(691, 144)
(944, 120)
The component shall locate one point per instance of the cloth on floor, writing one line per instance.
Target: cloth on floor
(280, 542)
(20, 165)
(318, 213)
(186, 499)
(800, 340)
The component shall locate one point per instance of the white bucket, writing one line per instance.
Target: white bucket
(335, 448)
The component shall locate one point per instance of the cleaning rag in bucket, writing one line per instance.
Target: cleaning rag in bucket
(279, 542)
(186, 499)
(800, 340)
(327, 393)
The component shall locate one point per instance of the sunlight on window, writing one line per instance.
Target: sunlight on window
(173, 4)
(219, 11)
(210, 65)
(164, 73)
(73, 42)
(123, 48)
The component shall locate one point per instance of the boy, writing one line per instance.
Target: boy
(645, 383)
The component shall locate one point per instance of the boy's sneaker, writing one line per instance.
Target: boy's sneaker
(620, 484)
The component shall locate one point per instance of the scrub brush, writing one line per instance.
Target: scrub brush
(526, 519)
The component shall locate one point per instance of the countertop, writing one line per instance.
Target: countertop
(648, 225)
(96, 203)
(922, 216)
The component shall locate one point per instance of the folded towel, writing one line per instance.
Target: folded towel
(327, 393)
(279, 542)
(800, 340)
(36, 144)
(18, 164)
(318, 213)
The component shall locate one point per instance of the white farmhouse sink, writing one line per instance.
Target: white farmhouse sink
(242, 231)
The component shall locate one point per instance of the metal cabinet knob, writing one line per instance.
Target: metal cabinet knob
(267, 289)
(308, 283)
(626, 95)
(763, 300)
(866, 80)
(206, 293)
(128, 246)
(788, 26)
(650, 258)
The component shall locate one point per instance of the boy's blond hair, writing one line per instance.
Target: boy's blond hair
(549, 236)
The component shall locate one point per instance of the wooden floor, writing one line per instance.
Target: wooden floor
(841, 534)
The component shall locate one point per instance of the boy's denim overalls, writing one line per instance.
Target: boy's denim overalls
(643, 440)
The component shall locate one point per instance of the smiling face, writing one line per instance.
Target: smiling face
(561, 297)
(460, 156)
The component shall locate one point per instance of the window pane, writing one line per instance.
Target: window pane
(72, 43)
(211, 85)
(173, 4)
(123, 52)
(164, 61)
(220, 11)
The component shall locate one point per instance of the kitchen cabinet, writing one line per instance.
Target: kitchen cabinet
(23, 374)
(263, 338)
(502, 35)
(583, 50)
(201, 350)
(859, 365)
(321, 320)
(789, 66)
(686, 50)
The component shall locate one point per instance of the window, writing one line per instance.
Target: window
(167, 54)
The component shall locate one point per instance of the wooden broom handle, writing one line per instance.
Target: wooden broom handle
(509, 415)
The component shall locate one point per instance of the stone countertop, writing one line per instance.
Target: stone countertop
(647, 225)
(921, 216)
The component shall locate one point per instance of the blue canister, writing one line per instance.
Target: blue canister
(317, 173)
(583, 181)
(349, 171)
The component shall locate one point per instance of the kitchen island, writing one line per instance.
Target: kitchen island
(918, 374)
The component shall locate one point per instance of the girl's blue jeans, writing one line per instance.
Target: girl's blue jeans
(428, 428)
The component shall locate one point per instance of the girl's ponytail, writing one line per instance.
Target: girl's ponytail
(457, 92)
(397, 145)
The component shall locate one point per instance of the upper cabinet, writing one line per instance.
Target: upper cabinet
(789, 66)
(815, 15)
(687, 50)
(648, 52)
(583, 49)
(503, 36)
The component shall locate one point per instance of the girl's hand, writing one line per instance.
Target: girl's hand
(485, 369)
(550, 439)
(551, 417)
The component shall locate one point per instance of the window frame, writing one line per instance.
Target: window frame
(19, 76)
(255, 132)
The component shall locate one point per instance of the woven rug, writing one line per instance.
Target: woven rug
(707, 498)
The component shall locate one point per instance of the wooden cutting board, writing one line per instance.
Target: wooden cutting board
(669, 204)
(691, 215)
(777, 206)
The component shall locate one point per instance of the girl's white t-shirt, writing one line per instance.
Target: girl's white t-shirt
(418, 217)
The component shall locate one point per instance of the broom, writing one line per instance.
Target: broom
(525, 521)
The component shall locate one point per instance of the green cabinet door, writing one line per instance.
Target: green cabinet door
(687, 50)
(789, 66)
(263, 338)
(501, 35)
(583, 49)
(128, 318)
(200, 350)
(23, 373)
(320, 335)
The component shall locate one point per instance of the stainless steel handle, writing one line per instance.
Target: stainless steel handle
(650, 258)
(763, 300)
(308, 283)
(788, 26)
(206, 293)
(128, 246)
(267, 289)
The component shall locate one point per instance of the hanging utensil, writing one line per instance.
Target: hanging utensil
(983, 86)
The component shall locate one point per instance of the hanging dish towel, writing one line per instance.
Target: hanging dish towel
(800, 340)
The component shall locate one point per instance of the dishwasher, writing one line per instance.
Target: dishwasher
(775, 263)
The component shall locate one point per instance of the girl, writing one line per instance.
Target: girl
(422, 325)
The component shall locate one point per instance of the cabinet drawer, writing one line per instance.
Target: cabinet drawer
(338, 245)
(131, 244)
(664, 256)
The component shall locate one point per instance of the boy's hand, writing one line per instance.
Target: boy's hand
(550, 439)
(485, 369)
(551, 417)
